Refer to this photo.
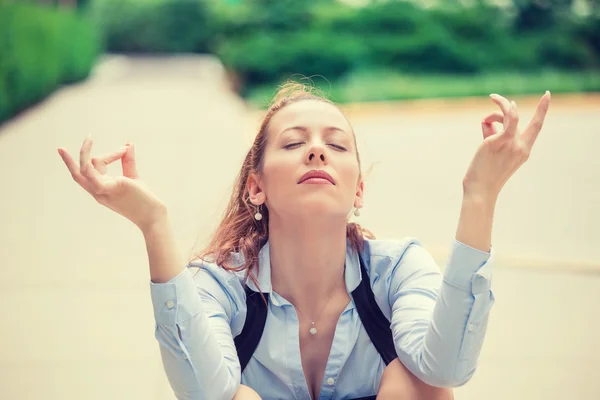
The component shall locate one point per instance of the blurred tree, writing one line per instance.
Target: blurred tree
(540, 14)
(83, 3)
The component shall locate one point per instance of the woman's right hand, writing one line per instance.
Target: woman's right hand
(125, 194)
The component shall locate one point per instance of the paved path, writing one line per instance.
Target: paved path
(76, 316)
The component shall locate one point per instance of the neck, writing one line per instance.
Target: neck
(308, 257)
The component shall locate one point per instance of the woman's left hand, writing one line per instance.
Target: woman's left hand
(502, 153)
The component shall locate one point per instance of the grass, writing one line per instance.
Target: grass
(383, 85)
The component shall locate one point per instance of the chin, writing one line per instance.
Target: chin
(314, 208)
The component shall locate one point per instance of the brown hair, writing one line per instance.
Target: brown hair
(239, 232)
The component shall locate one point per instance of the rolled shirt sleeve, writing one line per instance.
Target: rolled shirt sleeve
(439, 321)
(175, 301)
(193, 312)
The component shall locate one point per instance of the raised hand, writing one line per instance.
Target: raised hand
(125, 194)
(502, 153)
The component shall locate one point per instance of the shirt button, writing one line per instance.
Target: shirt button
(471, 327)
(330, 381)
(170, 303)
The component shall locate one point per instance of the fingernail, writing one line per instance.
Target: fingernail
(493, 95)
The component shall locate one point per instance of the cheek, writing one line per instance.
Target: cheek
(349, 172)
(277, 172)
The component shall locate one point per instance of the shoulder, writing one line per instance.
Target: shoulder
(384, 257)
(388, 248)
(208, 272)
(216, 284)
(396, 264)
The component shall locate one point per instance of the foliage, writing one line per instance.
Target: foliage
(181, 26)
(41, 48)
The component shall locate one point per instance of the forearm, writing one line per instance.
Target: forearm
(476, 220)
(163, 254)
(196, 344)
(193, 316)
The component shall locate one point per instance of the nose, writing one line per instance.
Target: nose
(312, 155)
(316, 154)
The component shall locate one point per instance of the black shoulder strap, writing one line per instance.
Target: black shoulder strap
(256, 317)
(375, 323)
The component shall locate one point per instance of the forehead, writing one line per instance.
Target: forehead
(313, 114)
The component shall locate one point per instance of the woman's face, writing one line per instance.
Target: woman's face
(309, 136)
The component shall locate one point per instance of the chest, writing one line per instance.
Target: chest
(315, 342)
(292, 364)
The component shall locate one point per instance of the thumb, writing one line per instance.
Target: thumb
(128, 162)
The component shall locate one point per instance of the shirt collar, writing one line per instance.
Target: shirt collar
(352, 273)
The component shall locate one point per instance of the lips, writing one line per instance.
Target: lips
(316, 175)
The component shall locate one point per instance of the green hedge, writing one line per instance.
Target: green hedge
(171, 26)
(267, 41)
(40, 49)
(332, 39)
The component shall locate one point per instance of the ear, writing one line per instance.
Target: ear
(358, 199)
(257, 196)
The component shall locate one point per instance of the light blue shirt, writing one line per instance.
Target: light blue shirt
(438, 322)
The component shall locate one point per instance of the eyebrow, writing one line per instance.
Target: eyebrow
(305, 129)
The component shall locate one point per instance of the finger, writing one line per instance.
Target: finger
(488, 129)
(74, 169)
(84, 152)
(512, 121)
(535, 126)
(128, 163)
(102, 161)
(494, 117)
(511, 116)
(86, 169)
(502, 102)
(68, 160)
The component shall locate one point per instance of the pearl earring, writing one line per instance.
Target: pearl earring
(357, 213)
(258, 216)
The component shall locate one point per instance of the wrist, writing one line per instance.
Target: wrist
(476, 220)
(480, 196)
(157, 221)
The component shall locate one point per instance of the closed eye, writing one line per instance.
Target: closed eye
(337, 146)
(292, 145)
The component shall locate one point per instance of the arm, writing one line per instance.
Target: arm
(439, 330)
(192, 323)
(163, 256)
(475, 222)
(193, 316)
(439, 338)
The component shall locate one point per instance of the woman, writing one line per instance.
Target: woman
(305, 303)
